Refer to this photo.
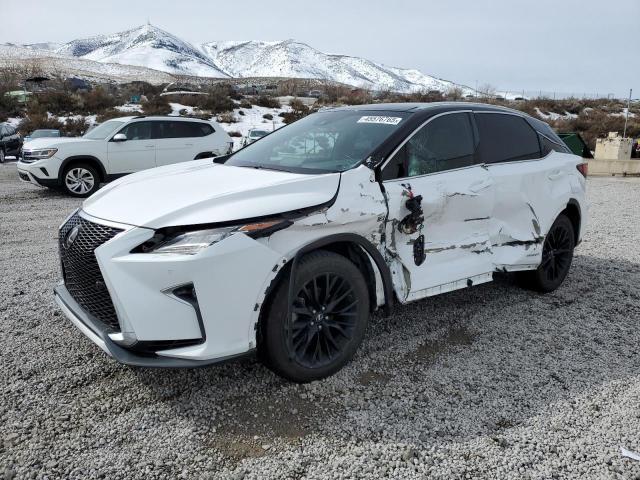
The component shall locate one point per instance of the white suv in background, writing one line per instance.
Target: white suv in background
(118, 147)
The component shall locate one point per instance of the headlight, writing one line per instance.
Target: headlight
(42, 153)
(192, 242)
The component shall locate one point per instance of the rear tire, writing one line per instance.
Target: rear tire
(329, 317)
(557, 255)
(1, 155)
(80, 180)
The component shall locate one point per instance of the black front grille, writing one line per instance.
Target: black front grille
(80, 269)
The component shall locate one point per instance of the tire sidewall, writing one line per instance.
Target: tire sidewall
(543, 282)
(275, 350)
(2, 157)
(96, 180)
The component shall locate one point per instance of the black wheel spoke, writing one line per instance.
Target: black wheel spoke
(557, 252)
(324, 316)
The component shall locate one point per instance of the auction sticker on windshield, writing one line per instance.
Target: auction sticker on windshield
(377, 119)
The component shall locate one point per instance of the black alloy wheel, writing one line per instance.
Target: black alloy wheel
(324, 317)
(557, 255)
(317, 333)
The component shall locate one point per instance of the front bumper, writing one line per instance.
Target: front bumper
(97, 332)
(230, 279)
(42, 174)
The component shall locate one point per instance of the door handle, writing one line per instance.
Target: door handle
(555, 175)
(188, 144)
(149, 146)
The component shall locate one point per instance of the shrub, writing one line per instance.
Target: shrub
(269, 102)
(36, 121)
(217, 100)
(245, 104)
(9, 106)
(58, 103)
(74, 127)
(241, 113)
(96, 101)
(156, 105)
(109, 114)
(234, 134)
(227, 118)
(298, 110)
(267, 116)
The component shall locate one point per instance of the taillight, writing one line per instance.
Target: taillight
(583, 168)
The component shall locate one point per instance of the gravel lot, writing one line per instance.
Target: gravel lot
(489, 382)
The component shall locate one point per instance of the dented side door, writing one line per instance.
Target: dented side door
(445, 245)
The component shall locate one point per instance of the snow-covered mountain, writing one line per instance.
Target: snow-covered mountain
(145, 46)
(151, 47)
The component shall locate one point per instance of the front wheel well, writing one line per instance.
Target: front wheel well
(348, 249)
(92, 161)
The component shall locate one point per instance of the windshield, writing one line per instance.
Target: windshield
(331, 141)
(45, 133)
(104, 130)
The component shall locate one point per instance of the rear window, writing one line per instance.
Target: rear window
(506, 138)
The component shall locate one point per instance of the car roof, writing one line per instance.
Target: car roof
(158, 117)
(431, 107)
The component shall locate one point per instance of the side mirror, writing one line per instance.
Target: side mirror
(119, 137)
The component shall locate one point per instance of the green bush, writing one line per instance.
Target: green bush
(267, 116)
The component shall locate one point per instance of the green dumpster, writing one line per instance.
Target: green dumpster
(576, 144)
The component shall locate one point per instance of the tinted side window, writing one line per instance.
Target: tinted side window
(2, 130)
(169, 129)
(10, 130)
(137, 131)
(442, 144)
(505, 138)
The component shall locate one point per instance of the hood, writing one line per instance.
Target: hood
(53, 142)
(204, 192)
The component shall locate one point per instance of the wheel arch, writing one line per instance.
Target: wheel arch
(574, 213)
(89, 159)
(355, 248)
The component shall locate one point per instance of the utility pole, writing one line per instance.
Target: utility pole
(626, 117)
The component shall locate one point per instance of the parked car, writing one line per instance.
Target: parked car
(253, 135)
(10, 141)
(42, 133)
(119, 147)
(286, 246)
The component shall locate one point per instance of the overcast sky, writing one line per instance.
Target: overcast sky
(580, 46)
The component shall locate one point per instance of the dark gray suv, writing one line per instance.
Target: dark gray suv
(10, 141)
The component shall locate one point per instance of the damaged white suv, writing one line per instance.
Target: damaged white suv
(286, 246)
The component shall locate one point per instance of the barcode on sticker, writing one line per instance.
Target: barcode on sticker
(377, 119)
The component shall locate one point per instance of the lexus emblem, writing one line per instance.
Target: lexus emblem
(71, 236)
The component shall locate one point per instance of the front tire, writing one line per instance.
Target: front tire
(557, 255)
(1, 155)
(329, 316)
(80, 180)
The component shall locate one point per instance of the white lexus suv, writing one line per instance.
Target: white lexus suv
(285, 247)
(118, 147)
